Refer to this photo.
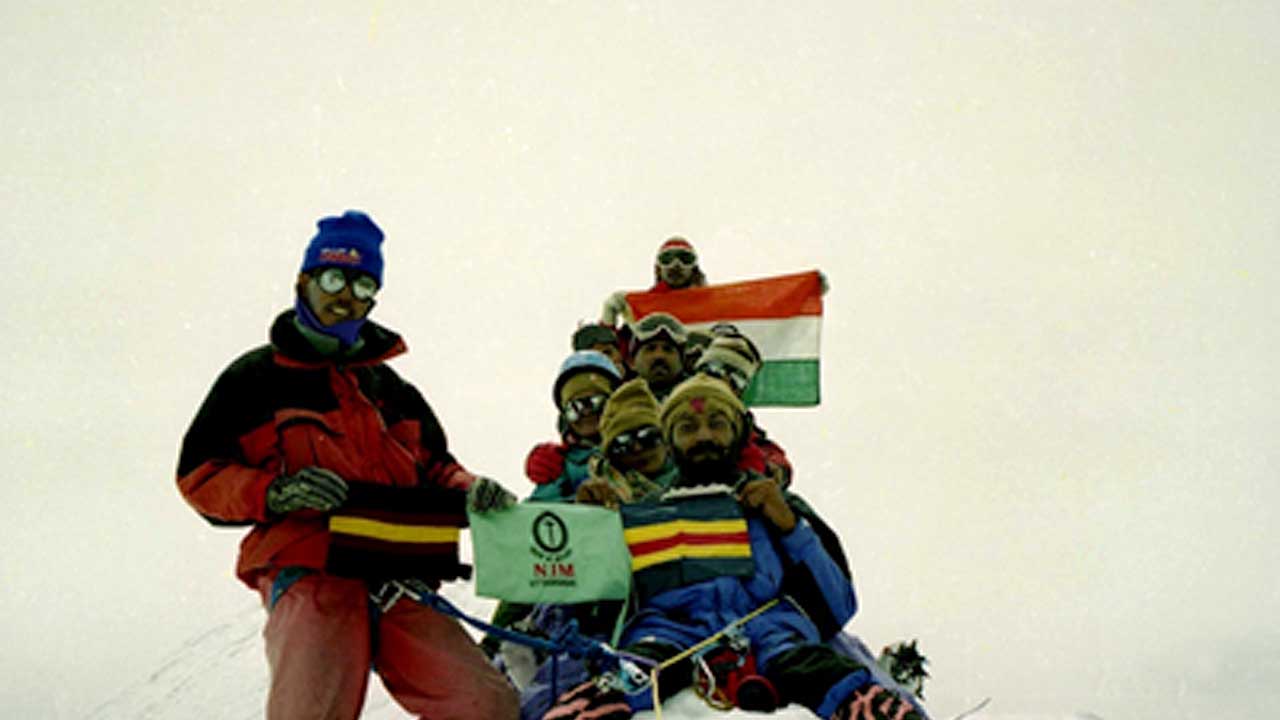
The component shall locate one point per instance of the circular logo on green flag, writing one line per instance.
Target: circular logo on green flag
(550, 533)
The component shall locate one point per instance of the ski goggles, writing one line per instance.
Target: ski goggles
(650, 326)
(333, 279)
(671, 257)
(737, 379)
(578, 408)
(634, 441)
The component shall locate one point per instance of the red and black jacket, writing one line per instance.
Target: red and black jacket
(285, 406)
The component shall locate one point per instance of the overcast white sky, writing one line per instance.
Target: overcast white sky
(1051, 231)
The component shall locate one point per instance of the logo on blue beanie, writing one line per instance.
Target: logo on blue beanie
(340, 256)
(351, 241)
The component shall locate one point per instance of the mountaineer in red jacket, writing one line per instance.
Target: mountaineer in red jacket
(332, 459)
(674, 268)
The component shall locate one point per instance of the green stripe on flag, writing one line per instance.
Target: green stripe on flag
(784, 383)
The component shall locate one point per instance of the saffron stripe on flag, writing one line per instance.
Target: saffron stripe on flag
(782, 296)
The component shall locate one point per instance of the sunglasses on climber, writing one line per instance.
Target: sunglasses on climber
(737, 379)
(333, 279)
(579, 408)
(634, 441)
(670, 257)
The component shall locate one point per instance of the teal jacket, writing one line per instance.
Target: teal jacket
(563, 488)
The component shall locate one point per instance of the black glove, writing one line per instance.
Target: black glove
(313, 488)
(486, 495)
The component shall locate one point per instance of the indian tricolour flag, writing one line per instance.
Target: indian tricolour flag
(782, 315)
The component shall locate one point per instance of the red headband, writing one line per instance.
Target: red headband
(676, 243)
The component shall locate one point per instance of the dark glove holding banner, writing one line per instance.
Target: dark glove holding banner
(311, 488)
(487, 495)
(765, 496)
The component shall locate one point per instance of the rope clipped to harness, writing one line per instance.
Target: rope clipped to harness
(725, 676)
(705, 643)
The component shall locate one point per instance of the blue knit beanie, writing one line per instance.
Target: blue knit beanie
(351, 241)
(584, 361)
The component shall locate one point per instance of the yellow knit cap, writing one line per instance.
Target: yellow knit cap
(631, 406)
(701, 394)
(583, 383)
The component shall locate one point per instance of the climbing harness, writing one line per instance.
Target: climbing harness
(725, 676)
(706, 642)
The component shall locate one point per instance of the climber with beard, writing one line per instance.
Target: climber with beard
(733, 589)
(733, 358)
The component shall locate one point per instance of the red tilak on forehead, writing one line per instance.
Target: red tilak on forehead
(698, 404)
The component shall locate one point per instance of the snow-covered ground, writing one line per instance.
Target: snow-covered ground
(221, 675)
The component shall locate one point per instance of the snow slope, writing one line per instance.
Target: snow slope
(221, 674)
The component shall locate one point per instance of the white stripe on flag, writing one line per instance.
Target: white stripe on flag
(794, 338)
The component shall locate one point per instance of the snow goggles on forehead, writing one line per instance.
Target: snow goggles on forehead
(650, 326)
(632, 441)
(737, 379)
(333, 279)
(670, 257)
(579, 408)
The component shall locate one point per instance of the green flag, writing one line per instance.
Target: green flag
(550, 552)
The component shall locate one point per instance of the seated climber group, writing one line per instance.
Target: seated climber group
(651, 423)
(622, 448)
(648, 415)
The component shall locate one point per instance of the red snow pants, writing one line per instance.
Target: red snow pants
(321, 643)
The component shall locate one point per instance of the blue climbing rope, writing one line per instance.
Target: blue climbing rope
(567, 639)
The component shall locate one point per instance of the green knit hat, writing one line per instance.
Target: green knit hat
(632, 406)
